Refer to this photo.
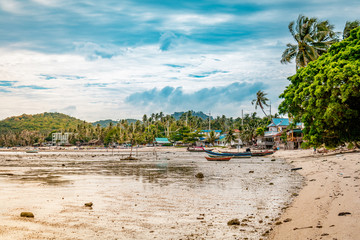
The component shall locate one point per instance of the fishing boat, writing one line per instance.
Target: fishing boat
(218, 158)
(234, 154)
(197, 149)
(261, 153)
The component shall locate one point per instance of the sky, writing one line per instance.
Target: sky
(115, 59)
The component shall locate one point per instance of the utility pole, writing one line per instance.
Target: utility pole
(270, 107)
(168, 129)
(242, 117)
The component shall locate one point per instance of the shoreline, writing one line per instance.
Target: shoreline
(328, 205)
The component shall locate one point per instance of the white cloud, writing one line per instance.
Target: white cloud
(49, 3)
(11, 6)
(188, 23)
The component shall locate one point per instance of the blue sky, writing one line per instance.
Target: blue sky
(120, 59)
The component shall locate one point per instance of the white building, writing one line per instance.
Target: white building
(60, 138)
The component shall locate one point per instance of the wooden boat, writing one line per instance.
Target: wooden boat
(234, 154)
(262, 153)
(197, 149)
(218, 158)
(31, 151)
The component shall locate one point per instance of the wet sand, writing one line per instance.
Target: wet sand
(155, 197)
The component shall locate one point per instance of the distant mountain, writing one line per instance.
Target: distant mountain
(43, 122)
(200, 114)
(105, 123)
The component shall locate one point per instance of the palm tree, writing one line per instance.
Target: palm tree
(350, 26)
(211, 137)
(260, 101)
(312, 37)
(230, 137)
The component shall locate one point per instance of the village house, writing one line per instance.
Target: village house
(272, 138)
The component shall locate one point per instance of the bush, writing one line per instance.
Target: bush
(305, 145)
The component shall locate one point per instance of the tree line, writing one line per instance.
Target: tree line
(186, 130)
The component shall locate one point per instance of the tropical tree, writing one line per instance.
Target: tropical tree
(260, 131)
(260, 100)
(350, 25)
(312, 37)
(325, 95)
(230, 137)
(211, 138)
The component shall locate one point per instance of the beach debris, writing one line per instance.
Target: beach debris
(344, 213)
(199, 175)
(295, 194)
(324, 234)
(273, 160)
(129, 158)
(302, 228)
(271, 183)
(89, 204)
(27, 214)
(234, 221)
(288, 220)
(251, 171)
(295, 169)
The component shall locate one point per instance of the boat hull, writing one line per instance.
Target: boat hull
(218, 158)
(234, 155)
(259, 154)
(197, 149)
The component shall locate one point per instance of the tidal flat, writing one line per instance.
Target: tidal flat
(154, 197)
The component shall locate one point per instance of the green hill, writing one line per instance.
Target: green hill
(43, 122)
(200, 114)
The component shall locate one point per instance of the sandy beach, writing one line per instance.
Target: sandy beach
(159, 197)
(328, 207)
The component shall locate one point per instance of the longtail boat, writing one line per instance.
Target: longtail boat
(234, 155)
(262, 153)
(197, 149)
(218, 158)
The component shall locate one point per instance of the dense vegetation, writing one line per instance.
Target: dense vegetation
(325, 95)
(43, 122)
(186, 129)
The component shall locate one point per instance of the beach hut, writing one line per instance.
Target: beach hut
(294, 138)
(162, 141)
